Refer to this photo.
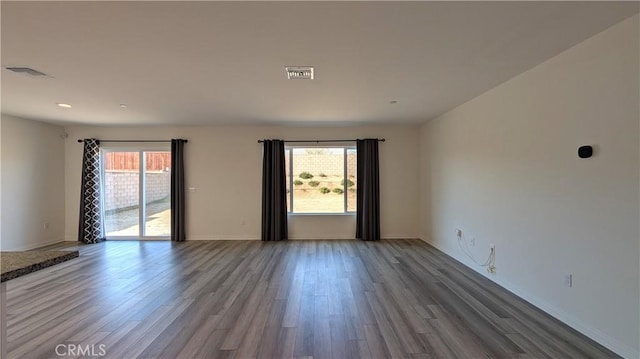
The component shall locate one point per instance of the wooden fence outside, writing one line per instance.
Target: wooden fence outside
(130, 161)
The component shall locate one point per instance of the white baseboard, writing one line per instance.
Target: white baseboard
(346, 237)
(595, 334)
(37, 245)
(399, 236)
(598, 336)
(243, 237)
(224, 237)
(256, 237)
(320, 237)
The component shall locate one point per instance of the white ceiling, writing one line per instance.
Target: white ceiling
(223, 62)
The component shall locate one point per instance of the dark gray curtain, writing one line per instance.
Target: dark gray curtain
(91, 229)
(177, 191)
(274, 192)
(368, 191)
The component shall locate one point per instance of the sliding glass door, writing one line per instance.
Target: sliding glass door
(137, 194)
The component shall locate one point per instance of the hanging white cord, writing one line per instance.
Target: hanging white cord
(489, 263)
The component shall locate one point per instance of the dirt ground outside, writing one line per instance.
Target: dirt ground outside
(125, 223)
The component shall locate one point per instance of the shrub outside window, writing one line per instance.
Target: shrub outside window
(321, 179)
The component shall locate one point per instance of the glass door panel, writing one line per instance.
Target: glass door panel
(157, 181)
(122, 194)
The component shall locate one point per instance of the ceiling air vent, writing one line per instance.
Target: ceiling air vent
(299, 72)
(26, 71)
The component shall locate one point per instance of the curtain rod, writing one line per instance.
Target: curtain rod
(79, 140)
(319, 141)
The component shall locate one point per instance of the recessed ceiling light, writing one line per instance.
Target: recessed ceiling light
(123, 105)
(65, 105)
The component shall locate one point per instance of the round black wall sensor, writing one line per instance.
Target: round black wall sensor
(585, 151)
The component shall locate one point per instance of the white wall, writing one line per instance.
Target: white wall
(504, 169)
(224, 164)
(32, 183)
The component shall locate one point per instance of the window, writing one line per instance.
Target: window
(321, 179)
(137, 193)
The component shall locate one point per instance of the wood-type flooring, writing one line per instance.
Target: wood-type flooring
(293, 299)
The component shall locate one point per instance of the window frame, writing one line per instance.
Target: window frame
(345, 148)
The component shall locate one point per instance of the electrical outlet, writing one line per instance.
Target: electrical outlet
(473, 241)
(568, 280)
(45, 225)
